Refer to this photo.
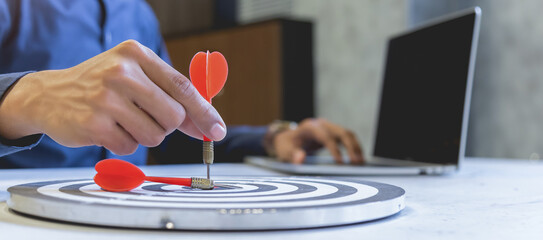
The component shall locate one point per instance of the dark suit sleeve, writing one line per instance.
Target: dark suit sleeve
(240, 141)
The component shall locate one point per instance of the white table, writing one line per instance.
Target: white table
(487, 199)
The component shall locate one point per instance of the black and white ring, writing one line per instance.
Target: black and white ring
(242, 204)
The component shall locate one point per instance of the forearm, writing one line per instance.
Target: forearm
(16, 107)
(7, 80)
(9, 146)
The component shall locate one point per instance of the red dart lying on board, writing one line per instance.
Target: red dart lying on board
(119, 176)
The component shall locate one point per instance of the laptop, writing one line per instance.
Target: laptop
(424, 106)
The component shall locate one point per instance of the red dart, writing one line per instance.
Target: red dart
(116, 175)
(208, 73)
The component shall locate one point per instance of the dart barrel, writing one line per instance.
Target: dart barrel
(208, 152)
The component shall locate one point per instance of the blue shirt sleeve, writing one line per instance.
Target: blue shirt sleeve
(12, 146)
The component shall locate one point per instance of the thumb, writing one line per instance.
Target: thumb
(298, 156)
(288, 150)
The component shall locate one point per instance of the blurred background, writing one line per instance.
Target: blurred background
(292, 59)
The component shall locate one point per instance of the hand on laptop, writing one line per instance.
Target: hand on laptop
(312, 134)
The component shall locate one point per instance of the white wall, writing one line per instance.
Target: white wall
(506, 119)
(507, 113)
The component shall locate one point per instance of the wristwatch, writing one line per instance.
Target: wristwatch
(274, 129)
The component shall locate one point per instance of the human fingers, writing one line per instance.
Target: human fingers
(319, 133)
(190, 129)
(348, 139)
(298, 156)
(136, 122)
(288, 147)
(203, 115)
(161, 107)
(113, 137)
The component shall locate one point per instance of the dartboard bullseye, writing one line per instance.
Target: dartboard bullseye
(236, 204)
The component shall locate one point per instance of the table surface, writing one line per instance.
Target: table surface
(486, 199)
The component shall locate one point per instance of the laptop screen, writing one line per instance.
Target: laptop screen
(424, 90)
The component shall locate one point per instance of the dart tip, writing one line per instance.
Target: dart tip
(208, 171)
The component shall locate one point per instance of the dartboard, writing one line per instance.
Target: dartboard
(245, 203)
